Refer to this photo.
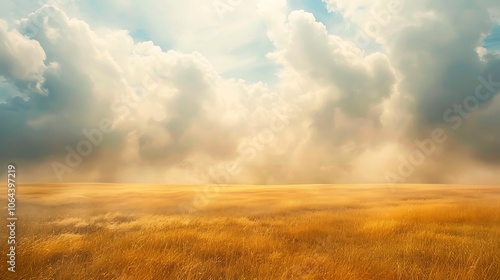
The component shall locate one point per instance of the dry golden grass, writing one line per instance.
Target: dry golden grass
(106, 231)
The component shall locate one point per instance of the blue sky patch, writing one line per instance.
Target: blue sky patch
(492, 42)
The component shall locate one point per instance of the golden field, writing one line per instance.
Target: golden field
(112, 231)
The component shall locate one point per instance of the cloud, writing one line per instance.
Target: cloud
(436, 54)
(22, 58)
(336, 112)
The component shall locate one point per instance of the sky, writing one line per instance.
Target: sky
(251, 91)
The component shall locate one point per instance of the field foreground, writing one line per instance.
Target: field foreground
(108, 231)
